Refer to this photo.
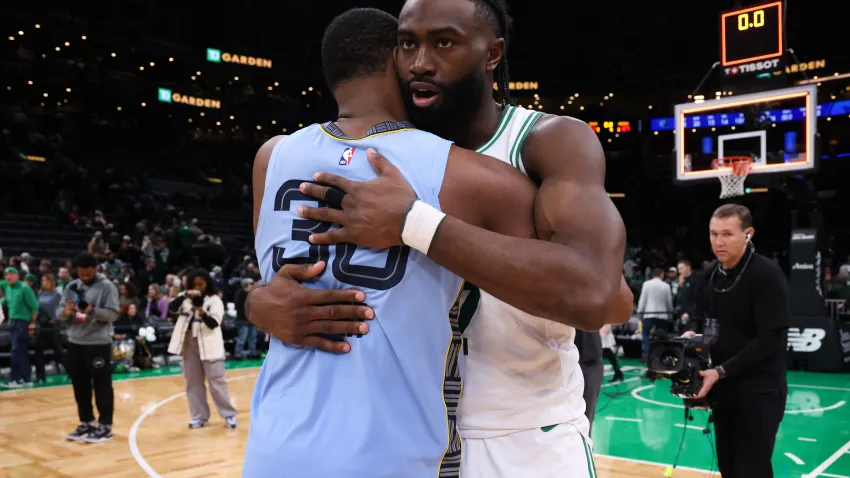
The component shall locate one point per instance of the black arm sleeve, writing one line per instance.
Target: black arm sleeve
(209, 322)
(175, 303)
(772, 315)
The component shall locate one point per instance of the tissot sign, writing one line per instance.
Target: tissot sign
(217, 56)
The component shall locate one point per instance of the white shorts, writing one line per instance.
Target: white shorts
(560, 452)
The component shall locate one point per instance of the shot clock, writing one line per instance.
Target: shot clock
(751, 34)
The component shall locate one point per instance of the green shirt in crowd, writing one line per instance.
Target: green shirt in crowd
(23, 304)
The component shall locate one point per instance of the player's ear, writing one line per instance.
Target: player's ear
(495, 53)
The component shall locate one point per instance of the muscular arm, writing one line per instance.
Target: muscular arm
(258, 175)
(489, 194)
(572, 274)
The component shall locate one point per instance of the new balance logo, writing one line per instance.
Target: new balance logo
(807, 340)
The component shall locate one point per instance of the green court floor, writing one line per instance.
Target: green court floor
(641, 421)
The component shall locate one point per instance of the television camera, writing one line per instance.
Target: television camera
(681, 360)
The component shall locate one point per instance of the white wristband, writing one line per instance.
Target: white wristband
(420, 226)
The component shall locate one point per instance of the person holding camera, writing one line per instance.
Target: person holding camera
(197, 337)
(91, 306)
(747, 295)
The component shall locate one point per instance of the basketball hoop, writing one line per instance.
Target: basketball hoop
(733, 170)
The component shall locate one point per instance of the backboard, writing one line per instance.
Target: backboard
(776, 128)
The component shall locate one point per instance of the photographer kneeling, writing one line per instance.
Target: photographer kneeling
(747, 294)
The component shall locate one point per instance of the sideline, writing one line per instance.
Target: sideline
(134, 429)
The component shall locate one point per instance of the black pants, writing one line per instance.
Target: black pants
(745, 426)
(589, 346)
(90, 365)
(47, 338)
(611, 356)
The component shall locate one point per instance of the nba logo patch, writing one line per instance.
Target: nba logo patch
(347, 156)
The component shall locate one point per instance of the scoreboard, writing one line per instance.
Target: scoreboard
(752, 34)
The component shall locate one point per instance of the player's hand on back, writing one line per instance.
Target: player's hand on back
(296, 315)
(371, 213)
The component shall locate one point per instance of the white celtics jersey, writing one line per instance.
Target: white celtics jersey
(520, 372)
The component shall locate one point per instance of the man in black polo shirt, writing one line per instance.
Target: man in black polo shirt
(748, 295)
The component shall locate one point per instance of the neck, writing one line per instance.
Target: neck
(476, 129)
(365, 102)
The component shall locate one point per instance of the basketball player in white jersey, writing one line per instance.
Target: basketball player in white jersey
(521, 411)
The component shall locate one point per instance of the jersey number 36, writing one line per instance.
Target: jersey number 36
(378, 278)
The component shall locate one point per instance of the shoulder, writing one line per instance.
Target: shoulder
(563, 144)
(767, 270)
(264, 154)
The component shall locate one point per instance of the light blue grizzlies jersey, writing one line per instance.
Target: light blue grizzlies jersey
(387, 408)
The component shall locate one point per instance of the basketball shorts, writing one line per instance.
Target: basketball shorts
(549, 452)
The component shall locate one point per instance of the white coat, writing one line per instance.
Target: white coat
(210, 341)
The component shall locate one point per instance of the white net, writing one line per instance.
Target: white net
(732, 180)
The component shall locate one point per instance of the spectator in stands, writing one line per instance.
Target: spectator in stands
(655, 307)
(112, 266)
(63, 278)
(23, 309)
(127, 292)
(44, 267)
(156, 307)
(91, 306)
(128, 322)
(247, 331)
(32, 280)
(685, 299)
(672, 280)
(97, 245)
(99, 222)
(48, 335)
(197, 337)
(147, 248)
(25, 262)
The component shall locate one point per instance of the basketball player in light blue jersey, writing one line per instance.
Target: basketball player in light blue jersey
(387, 409)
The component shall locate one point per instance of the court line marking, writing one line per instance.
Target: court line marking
(834, 476)
(134, 429)
(796, 459)
(645, 462)
(820, 387)
(636, 394)
(813, 410)
(689, 427)
(819, 471)
(620, 419)
(811, 440)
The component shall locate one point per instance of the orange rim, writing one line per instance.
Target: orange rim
(740, 165)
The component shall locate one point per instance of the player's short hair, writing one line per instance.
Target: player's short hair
(85, 260)
(358, 43)
(657, 271)
(685, 262)
(735, 210)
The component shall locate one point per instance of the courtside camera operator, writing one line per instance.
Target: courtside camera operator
(747, 294)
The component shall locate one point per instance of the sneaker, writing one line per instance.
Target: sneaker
(80, 432)
(231, 422)
(197, 424)
(99, 435)
(13, 384)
